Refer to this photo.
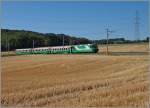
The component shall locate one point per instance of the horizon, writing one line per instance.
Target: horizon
(79, 19)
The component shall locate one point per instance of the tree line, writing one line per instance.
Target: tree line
(119, 41)
(16, 39)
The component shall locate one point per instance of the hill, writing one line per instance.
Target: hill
(13, 39)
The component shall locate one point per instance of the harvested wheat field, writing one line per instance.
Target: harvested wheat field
(75, 80)
(134, 47)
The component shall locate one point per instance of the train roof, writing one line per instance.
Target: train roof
(45, 48)
(52, 47)
(60, 47)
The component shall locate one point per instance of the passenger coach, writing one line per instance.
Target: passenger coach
(85, 48)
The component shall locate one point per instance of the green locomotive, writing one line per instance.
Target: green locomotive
(72, 49)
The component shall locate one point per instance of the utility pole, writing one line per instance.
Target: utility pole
(63, 40)
(107, 42)
(107, 31)
(70, 41)
(7, 45)
(33, 44)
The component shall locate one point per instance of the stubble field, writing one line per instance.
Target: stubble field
(77, 80)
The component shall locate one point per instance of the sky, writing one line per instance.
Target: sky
(80, 19)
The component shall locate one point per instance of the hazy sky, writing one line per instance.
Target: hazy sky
(82, 19)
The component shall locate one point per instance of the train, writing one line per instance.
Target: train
(70, 49)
